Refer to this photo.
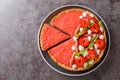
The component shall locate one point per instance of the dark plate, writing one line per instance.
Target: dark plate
(52, 64)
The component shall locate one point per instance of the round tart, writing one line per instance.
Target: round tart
(75, 39)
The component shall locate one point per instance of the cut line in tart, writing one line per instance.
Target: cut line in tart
(86, 45)
(51, 36)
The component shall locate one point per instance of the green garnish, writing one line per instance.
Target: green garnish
(85, 29)
(89, 63)
(100, 24)
(91, 45)
(77, 54)
(80, 52)
(91, 23)
(95, 38)
(80, 33)
(83, 51)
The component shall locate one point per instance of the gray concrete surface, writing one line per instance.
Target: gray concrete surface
(19, 24)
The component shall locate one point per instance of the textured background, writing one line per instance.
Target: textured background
(19, 24)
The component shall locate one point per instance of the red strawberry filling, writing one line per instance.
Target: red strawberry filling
(79, 61)
(91, 55)
(100, 43)
(95, 28)
(84, 22)
(84, 41)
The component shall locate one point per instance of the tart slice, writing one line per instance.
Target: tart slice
(50, 36)
(62, 54)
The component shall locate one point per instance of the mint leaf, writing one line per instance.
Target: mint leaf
(89, 63)
(91, 45)
(79, 34)
(100, 24)
(91, 23)
(95, 38)
(87, 66)
(77, 54)
(80, 52)
(85, 29)
(83, 51)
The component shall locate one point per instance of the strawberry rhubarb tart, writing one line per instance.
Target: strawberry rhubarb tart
(84, 44)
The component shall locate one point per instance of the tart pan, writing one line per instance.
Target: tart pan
(48, 59)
